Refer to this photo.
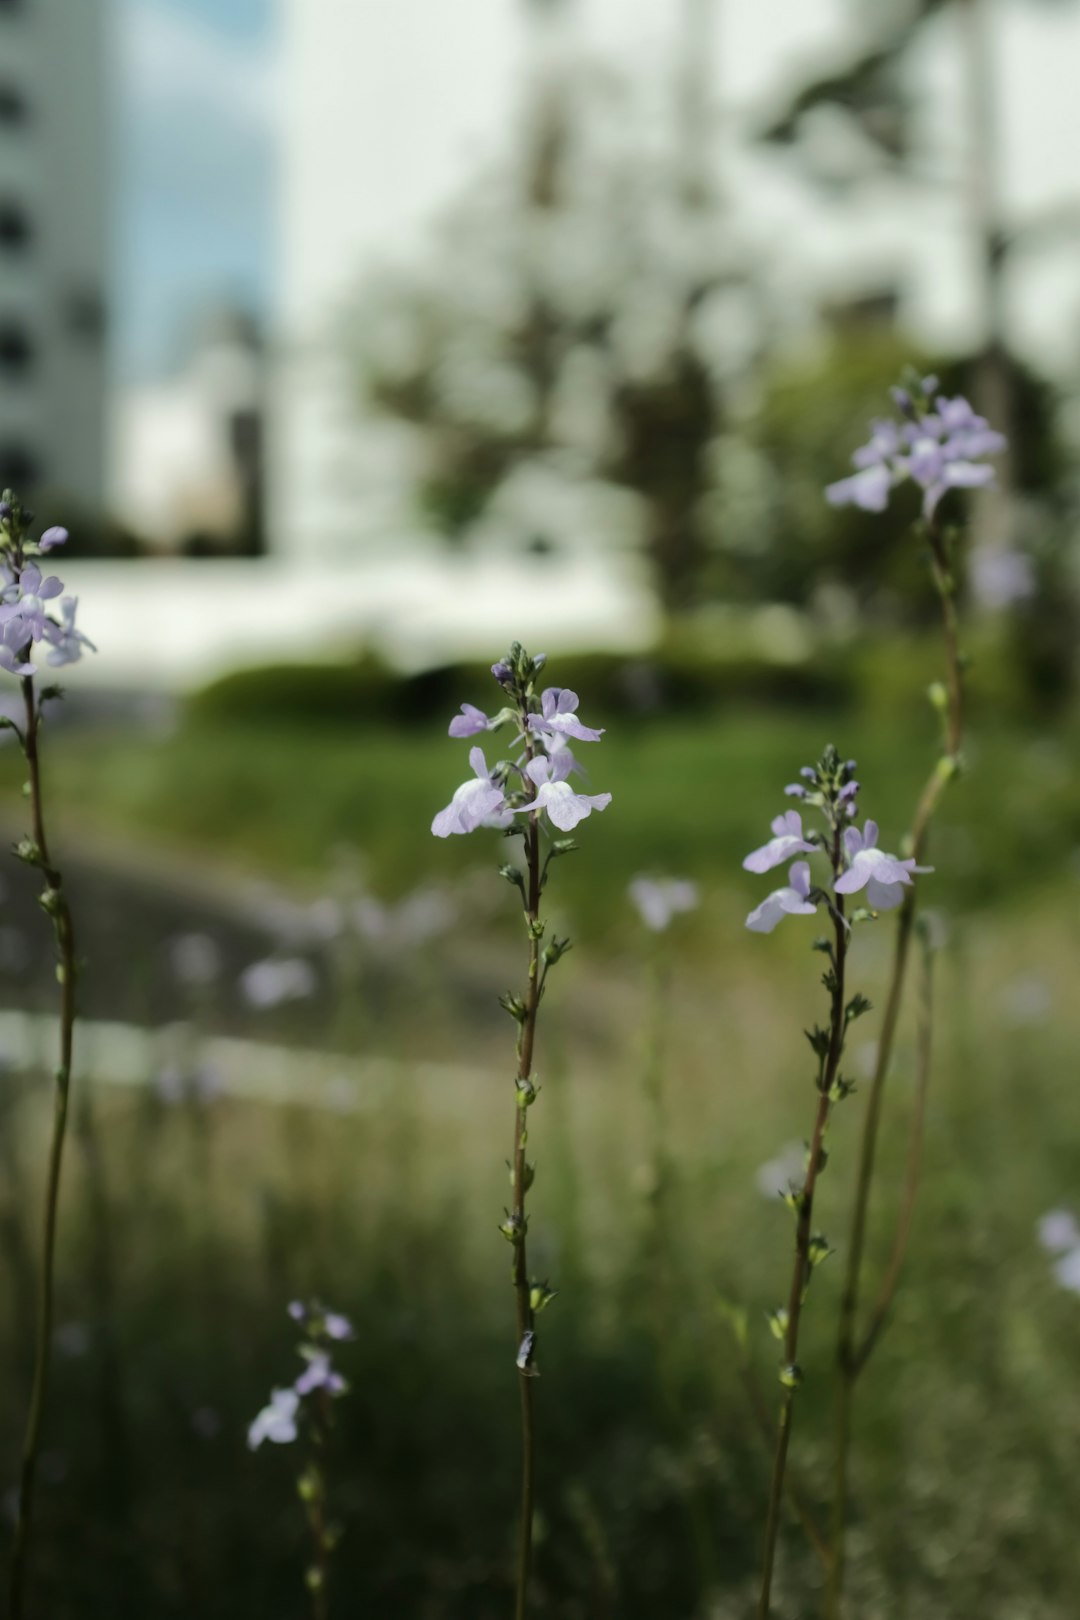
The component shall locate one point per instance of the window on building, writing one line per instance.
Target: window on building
(84, 314)
(15, 227)
(16, 348)
(20, 469)
(13, 108)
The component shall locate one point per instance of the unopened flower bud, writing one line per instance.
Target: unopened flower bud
(540, 1296)
(778, 1323)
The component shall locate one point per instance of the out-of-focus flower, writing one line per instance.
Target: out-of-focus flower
(1027, 1001)
(564, 807)
(786, 1170)
(474, 803)
(787, 840)
(790, 901)
(884, 877)
(319, 1374)
(1058, 1231)
(277, 1421)
(1067, 1271)
(196, 958)
(277, 980)
(659, 900)
(1001, 577)
(66, 641)
(559, 715)
(938, 450)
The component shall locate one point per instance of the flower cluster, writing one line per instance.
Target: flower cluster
(279, 1420)
(859, 865)
(938, 443)
(25, 617)
(537, 778)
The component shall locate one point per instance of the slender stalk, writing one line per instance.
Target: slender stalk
(800, 1276)
(319, 1575)
(849, 1365)
(56, 904)
(523, 1306)
(762, 1418)
(887, 1292)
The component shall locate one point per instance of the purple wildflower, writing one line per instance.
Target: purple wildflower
(469, 722)
(658, 900)
(67, 642)
(13, 665)
(564, 807)
(52, 538)
(558, 715)
(791, 901)
(884, 877)
(277, 1421)
(474, 803)
(337, 1326)
(787, 841)
(25, 618)
(938, 450)
(319, 1374)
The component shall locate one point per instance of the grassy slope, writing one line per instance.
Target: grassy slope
(689, 795)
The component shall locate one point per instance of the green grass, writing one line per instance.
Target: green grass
(690, 795)
(652, 1480)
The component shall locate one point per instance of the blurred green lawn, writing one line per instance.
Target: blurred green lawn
(652, 1481)
(691, 795)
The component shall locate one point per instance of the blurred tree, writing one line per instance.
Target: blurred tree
(811, 415)
(575, 329)
(874, 90)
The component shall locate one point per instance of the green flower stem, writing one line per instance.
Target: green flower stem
(524, 1312)
(319, 1573)
(763, 1419)
(800, 1276)
(849, 1362)
(66, 972)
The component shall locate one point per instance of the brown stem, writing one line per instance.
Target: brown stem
(802, 1509)
(524, 1312)
(319, 1582)
(65, 940)
(800, 1276)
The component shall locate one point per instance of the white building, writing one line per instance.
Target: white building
(53, 247)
